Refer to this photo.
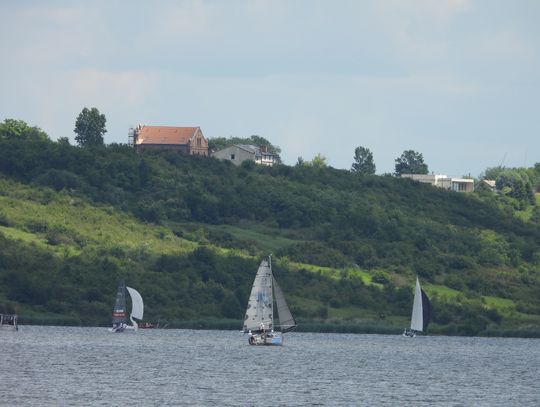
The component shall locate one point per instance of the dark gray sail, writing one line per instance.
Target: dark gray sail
(286, 320)
(119, 311)
(426, 310)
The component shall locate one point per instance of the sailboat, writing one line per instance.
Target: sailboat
(420, 313)
(259, 319)
(8, 322)
(119, 317)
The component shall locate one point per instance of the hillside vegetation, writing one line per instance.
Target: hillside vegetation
(189, 232)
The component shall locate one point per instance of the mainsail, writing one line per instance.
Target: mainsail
(259, 309)
(137, 307)
(119, 312)
(286, 320)
(421, 309)
(426, 310)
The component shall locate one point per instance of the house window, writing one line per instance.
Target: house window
(198, 142)
(232, 156)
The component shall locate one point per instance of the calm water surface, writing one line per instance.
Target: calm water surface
(56, 366)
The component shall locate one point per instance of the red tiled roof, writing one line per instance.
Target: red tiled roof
(165, 135)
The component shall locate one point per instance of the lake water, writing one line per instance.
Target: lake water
(57, 366)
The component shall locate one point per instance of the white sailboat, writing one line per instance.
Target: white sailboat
(420, 313)
(259, 319)
(120, 319)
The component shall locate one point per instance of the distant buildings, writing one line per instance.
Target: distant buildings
(443, 181)
(237, 153)
(185, 140)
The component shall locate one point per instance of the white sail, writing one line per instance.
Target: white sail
(417, 319)
(137, 306)
(259, 309)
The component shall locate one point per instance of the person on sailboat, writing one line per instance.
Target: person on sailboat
(250, 337)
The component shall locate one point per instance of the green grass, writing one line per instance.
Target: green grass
(501, 304)
(266, 239)
(441, 291)
(335, 272)
(83, 225)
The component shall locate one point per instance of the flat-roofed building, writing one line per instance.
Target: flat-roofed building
(443, 181)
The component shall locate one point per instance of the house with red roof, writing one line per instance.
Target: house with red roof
(185, 140)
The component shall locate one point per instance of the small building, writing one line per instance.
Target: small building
(443, 181)
(185, 140)
(238, 153)
(486, 185)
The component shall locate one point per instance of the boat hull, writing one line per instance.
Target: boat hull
(410, 333)
(8, 322)
(118, 330)
(265, 340)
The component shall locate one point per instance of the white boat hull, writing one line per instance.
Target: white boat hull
(408, 333)
(128, 328)
(266, 340)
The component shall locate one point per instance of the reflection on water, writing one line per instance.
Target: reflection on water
(55, 366)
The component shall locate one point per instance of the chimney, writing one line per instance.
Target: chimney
(264, 148)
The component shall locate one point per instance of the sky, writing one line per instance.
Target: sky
(456, 80)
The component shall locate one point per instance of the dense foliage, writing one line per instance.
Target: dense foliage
(517, 184)
(354, 242)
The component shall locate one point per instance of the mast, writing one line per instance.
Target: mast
(271, 287)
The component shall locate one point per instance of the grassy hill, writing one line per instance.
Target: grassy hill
(189, 232)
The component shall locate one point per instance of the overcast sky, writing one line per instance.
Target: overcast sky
(457, 80)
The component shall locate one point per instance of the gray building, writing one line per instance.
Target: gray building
(237, 153)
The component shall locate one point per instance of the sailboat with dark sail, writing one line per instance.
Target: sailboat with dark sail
(119, 318)
(259, 319)
(420, 313)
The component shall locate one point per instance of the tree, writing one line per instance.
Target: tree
(492, 172)
(516, 183)
(90, 127)
(18, 129)
(363, 161)
(319, 161)
(411, 162)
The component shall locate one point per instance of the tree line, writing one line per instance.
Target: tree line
(392, 228)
